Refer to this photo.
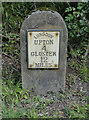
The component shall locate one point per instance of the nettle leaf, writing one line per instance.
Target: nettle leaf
(67, 18)
(82, 22)
(68, 9)
(74, 9)
(80, 6)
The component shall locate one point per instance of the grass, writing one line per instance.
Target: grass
(17, 103)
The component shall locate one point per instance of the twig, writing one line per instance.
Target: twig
(10, 57)
(7, 55)
(35, 6)
(87, 51)
(14, 67)
(5, 36)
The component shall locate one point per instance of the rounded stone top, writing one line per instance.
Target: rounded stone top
(44, 20)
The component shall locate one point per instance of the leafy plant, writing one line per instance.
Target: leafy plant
(13, 112)
(13, 93)
(84, 71)
(78, 25)
(78, 111)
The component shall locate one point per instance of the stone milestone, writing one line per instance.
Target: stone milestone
(43, 39)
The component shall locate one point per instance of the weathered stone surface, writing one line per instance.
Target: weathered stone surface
(46, 80)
